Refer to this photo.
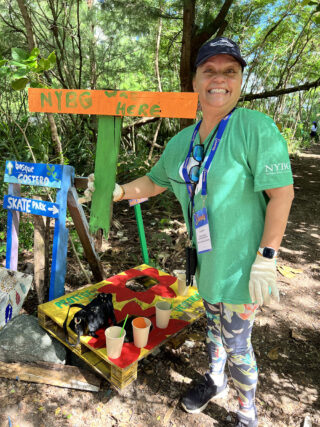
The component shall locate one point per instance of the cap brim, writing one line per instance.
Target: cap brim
(238, 58)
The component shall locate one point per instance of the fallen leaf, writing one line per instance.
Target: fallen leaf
(168, 415)
(296, 336)
(288, 272)
(57, 411)
(196, 336)
(273, 354)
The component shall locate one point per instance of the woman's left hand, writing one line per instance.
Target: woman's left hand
(263, 280)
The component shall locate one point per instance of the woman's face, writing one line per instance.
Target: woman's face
(218, 82)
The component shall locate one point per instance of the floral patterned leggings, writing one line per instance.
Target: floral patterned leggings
(229, 338)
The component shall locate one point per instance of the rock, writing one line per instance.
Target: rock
(23, 340)
(189, 344)
(307, 422)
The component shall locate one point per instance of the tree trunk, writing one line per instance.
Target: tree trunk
(192, 41)
(186, 48)
(157, 54)
(55, 137)
(27, 21)
(32, 44)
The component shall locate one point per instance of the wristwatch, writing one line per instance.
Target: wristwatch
(267, 252)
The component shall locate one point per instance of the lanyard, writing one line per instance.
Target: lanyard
(221, 128)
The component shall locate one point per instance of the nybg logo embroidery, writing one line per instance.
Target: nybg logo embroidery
(222, 43)
(277, 168)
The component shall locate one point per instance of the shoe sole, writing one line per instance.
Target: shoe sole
(223, 393)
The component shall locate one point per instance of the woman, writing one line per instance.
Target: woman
(313, 132)
(231, 173)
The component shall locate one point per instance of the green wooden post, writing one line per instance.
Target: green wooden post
(142, 236)
(109, 132)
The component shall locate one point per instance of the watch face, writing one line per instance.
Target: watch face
(268, 253)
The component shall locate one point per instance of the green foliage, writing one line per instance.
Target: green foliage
(316, 10)
(26, 231)
(112, 45)
(26, 68)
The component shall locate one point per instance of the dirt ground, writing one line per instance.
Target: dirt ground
(286, 336)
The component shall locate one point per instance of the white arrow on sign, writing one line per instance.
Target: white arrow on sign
(10, 167)
(54, 210)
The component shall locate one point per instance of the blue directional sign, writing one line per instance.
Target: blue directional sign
(44, 175)
(31, 206)
(40, 174)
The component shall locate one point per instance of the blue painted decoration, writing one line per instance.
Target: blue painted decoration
(8, 312)
(39, 174)
(31, 206)
(13, 220)
(60, 238)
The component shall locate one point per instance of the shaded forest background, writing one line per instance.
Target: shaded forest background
(145, 45)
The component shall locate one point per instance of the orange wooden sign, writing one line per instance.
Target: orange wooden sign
(114, 102)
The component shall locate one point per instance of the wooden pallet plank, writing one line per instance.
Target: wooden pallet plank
(52, 374)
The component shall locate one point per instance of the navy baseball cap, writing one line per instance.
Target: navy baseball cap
(216, 47)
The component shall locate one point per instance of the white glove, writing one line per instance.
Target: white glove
(89, 190)
(262, 278)
(118, 193)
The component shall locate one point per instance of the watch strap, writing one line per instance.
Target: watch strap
(268, 252)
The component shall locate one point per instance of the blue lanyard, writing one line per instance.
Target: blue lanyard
(221, 128)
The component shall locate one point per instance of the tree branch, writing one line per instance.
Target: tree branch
(215, 25)
(278, 92)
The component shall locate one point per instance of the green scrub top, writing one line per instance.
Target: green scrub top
(252, 156)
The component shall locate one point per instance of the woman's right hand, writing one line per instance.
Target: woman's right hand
(118, 191)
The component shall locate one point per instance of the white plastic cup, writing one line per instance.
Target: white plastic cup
(141, 328)
(182, 284)
(163, 313)
(114, 342)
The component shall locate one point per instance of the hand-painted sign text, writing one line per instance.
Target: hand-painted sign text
(34, 207)
(114, 103)
(40, 174)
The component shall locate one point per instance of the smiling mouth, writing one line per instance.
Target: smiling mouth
(224, 91)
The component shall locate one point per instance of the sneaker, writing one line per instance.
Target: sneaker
(243, 421)
(200, 395)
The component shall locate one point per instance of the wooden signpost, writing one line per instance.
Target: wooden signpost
(44, 175)
(110, 106)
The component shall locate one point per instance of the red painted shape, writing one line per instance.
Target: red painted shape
(98, 342)
(130, 353)
(133, 309)
(158, 335)
(118, 286)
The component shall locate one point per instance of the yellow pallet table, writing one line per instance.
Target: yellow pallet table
(159, 286)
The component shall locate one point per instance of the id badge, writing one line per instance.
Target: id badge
(202, 231)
